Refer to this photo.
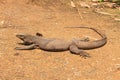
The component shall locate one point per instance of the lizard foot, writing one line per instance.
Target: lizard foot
(75, 50)
(84, 54)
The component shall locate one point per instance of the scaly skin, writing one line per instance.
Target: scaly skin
(75, 46)
(90, 44)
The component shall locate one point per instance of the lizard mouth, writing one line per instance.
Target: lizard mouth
(20, 36)
(24, 39)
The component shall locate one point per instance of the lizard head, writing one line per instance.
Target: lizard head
(26, 38)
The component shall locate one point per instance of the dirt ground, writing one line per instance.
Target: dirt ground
(22, 16)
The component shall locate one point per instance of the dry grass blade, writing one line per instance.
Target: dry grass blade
(73, 4)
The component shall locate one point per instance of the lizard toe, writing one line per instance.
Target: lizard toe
(85, 55)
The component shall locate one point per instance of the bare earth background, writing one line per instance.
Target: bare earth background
(25, 16)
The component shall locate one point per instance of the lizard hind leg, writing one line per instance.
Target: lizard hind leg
(75, 50)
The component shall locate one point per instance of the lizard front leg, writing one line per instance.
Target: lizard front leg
(25, 43)
(75, 50)
(30, 47)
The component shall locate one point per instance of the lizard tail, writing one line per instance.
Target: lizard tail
(96, 30)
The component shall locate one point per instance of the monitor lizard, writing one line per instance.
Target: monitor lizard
(76, 46)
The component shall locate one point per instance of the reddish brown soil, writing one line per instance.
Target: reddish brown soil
(50, 20)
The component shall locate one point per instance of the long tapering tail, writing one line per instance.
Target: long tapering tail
(96, 30)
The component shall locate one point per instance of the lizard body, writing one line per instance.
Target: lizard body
(75, 46)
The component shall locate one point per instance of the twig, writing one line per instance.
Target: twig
(77, 8)
(101, 12)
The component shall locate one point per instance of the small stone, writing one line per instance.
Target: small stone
(72, 4)
(117, 19)
(84, 5)
(2, 22)
(94, 4)
(95, 0)
(16, 54)
(118, 68)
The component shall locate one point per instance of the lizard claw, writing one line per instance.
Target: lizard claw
(84, 55)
